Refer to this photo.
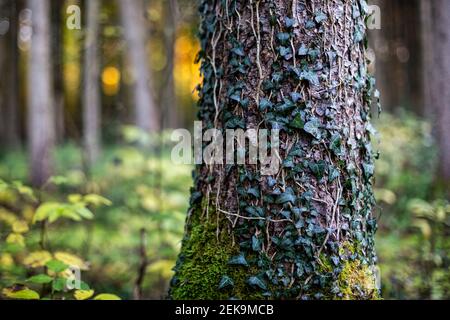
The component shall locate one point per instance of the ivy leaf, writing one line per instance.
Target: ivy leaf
(238, 260)
(254, 192)
(297, 122)
(265, 104)
(368, 170)
(303, 50)
(285, 52)
(295, 96)
(238, 51)
(40, 279)
(283, 37)
(257, 282)
(226, 282)
(320, 17)
(256, 244)
(313, 128)
(285, 198)
(310, 76)
(335, 144)
(289, 22)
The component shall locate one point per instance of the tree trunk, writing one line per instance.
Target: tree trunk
(41, 119)
(307, 231)
(58, 60)
(146, 112)
(169, 107)
(10, 79)
(91, 94)
(440, 92)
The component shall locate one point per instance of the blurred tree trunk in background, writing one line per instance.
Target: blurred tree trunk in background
(3, 47)
(440, 86)
(41, 117)
(169, 107)
(398, 53)
(306, 231)
(427, 56)
(133, 20)
(10, 112)
(91, 93)
(57, 64)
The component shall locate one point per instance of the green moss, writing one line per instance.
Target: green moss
(357, 281)
(204, 261)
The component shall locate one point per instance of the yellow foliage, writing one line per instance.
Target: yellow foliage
(83, 294)
(16, 238)
(22, 294)
(71, 260)
(37, 259)
(107, 296)
(6, 260)
(7, 217)
(20, 226)
(162, 267)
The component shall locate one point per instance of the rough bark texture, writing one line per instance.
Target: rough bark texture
(440, 79)
(41, 119)
(306, 232)
(146, 112)
(91, 93)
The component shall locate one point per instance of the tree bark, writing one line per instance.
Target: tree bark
(41, 118)
(91, 94)
(307, 231)
(440, 92)
(146, 111)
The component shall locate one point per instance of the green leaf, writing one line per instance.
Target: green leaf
(297, 122)
(320, 17)
(56, 266)
(335, 144)
(238, 260)
(313, 128)
(59, 284)
(84, 213)
(40, 279)
(286, 197)
(265, 104)
(226, 282)
(257, 282)
(45, 211)
(256, 244)
(96, 200)
(22, 294)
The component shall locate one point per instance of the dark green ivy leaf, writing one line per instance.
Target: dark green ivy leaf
(297, 122)
(313, 128)
(265, 104)
(257, 282)
(238, 260)
(226, 282)
(320, 16)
